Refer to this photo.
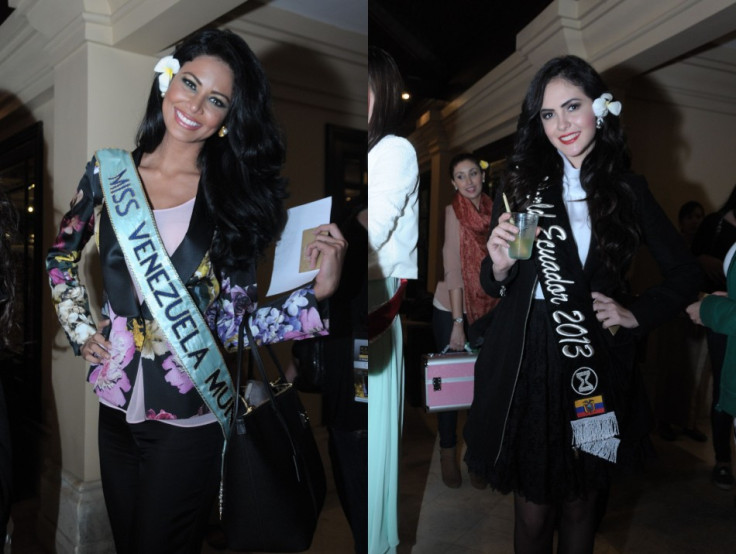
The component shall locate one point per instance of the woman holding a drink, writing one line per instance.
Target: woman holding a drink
(558, 403)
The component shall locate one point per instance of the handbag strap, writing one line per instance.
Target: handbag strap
(256, 357)
(258, 362)
(244, 329)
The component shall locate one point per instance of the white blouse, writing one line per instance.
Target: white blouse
(577, 212)
(393, 186)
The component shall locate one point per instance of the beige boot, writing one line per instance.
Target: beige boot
(450, 468)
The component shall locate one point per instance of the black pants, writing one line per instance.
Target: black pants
(349, 456)
(442, 323)
(721, 422)
(159, 483)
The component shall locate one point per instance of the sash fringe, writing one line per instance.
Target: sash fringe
(596, 435)
(606, 449)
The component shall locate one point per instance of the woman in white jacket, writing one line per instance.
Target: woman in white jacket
(392, 257)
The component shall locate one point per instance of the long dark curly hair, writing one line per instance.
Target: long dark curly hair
(8, 232)
(241, 172)
(610, 199)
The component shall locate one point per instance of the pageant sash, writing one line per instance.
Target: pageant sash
(163, 290)
(578, 332)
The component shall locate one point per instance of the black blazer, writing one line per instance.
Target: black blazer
(499, 360)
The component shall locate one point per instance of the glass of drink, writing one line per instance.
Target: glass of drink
(521, 247)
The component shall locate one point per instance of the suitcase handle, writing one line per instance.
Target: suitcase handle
(446, 349)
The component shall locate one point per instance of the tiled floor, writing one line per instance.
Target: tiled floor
(670, 508)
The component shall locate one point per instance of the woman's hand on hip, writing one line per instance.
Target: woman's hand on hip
(96, 349)
(329, 246)
(610, 313)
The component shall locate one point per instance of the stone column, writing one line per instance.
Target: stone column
(431, 143)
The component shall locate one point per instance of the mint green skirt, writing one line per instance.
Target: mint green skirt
(385, 419)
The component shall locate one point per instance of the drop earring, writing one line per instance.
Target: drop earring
(222, 132)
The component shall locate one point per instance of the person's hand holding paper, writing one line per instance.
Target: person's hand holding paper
(310, 248)
(327, 252)
(308, 262)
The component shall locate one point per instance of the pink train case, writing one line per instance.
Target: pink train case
(448, 380)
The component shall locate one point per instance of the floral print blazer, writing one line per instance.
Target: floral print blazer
(135, 336)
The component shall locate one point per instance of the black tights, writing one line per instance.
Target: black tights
(576, 522)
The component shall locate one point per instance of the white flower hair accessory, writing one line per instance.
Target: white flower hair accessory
(167, 66)
(603, 105)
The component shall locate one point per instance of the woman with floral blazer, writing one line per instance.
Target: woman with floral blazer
(135, 336)
(208, 160)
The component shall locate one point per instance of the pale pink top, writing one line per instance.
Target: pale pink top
(453, 275)
(172, 224)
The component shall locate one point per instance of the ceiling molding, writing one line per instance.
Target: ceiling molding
(645, 35)
(281, 27)
(551, 33)
(626, 39)
(349, 15)
(706, 82)
(150, 27)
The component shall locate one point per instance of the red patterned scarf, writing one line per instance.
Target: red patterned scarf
(474, 226)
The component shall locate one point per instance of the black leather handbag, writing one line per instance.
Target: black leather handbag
(274, 480)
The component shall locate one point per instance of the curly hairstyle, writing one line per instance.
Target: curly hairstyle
(8, 231)
(610, 199)
(241, 172)
(386, 83)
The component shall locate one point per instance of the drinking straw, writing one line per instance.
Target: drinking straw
(506, 202)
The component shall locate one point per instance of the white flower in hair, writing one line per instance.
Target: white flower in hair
(603, 105)
(167, 66)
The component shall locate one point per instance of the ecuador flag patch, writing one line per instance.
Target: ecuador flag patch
(589, 406)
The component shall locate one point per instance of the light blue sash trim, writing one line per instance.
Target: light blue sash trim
(163, 290)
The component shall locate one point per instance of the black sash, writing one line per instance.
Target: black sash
(578, 332)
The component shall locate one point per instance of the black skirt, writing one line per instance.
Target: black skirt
(537, 459)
